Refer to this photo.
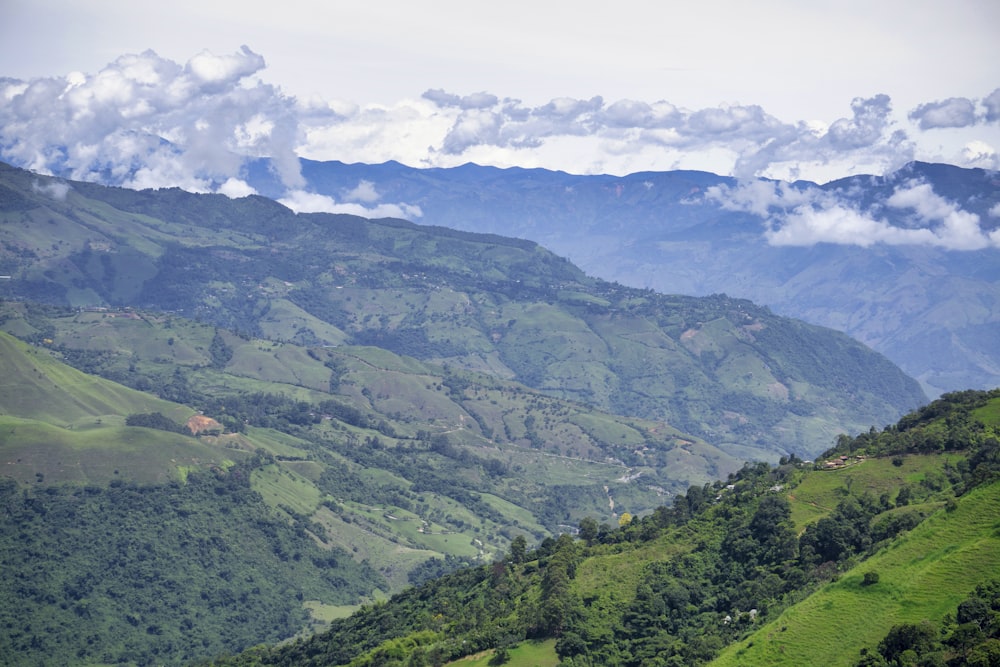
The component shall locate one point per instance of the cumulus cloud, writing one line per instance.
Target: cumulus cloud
(146, 121)
(980, 154)
(992, 104)
(481, 100)
(755, 140)
(952, 112)
(952, 227)
(760, 197)
(235, 188)
(809, 215)
(957, 112)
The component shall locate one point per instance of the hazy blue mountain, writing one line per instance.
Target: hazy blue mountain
(933, 311)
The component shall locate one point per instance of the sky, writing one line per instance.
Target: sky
(183, 93)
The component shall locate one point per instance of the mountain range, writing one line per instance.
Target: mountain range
(270, 419)
(914, 274)
(718, 368)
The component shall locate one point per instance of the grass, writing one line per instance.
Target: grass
(34, 385)
(281, 487)
(393, 560)
(33, 452)
(284, 321)
(613, 578)
(321, 615)
(820, 492)
(922, 576)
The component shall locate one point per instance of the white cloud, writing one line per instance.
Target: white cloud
(980, 154)
(957, 112)
(810, 215)
(301, 201)
(481, 100)
(952, 112)
(760, 197)
(992, 104)
(54, 189)
(364, 192)
(147, 121)
(224, 70)
(235, 188)
(843, 226)
(952, 227)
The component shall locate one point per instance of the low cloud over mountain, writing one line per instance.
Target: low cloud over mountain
(147, 121)
(807, 215)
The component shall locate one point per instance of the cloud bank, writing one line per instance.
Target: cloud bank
(805, 216)
(146, 121)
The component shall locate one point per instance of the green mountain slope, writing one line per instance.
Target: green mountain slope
(726, 572)
(157, 574)
(922, 575)
(58, 424)
(722, 369)
(36, 386)
(400, 459)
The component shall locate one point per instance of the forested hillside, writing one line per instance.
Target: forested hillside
(158, 574)
(769, 563)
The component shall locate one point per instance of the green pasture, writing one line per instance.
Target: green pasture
(36, 452)
(924, 575)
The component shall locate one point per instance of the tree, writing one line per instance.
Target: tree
(518, 549)
(589, 530)
(906, 637)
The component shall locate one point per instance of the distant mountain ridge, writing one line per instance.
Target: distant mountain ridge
(933, 311)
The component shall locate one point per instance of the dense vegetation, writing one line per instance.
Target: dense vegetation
(157, 574)
(703, 572)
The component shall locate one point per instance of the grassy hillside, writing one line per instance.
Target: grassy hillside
(726, 573)
(722, 369)
(58, 424)
(922, 575)
(35, 386)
